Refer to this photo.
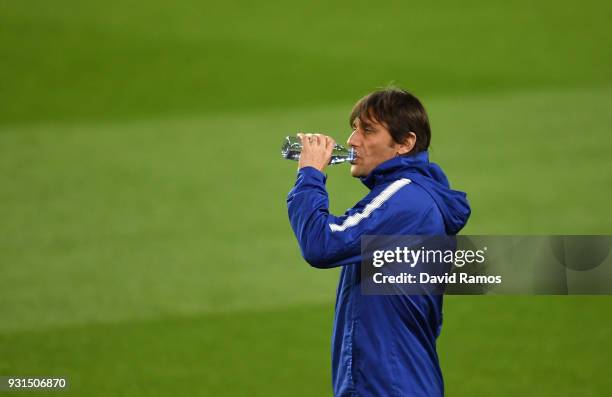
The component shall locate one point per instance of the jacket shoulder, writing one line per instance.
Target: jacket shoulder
(406, 196)
(412, 210)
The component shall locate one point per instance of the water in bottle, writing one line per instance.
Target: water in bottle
(292, 148)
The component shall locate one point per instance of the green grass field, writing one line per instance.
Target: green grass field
(144, 243)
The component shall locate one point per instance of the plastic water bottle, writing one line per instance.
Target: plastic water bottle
(292, 148)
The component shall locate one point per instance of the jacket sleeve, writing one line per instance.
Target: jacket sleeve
(325, 240)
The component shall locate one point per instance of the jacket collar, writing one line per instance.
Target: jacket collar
(385, 170)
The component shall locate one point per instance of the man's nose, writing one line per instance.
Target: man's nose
(351, 141)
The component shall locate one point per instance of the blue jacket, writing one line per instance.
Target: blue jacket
(381, 345)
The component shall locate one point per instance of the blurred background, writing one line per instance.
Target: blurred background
(144, 244)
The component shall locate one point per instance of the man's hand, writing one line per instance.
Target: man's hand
(316, 151)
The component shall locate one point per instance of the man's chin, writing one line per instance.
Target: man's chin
(356, 172)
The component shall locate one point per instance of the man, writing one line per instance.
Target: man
(381, 345)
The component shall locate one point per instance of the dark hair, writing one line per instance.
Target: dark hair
(399, 111)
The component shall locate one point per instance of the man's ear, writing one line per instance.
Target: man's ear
(408, 144)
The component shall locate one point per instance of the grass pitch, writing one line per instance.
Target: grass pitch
(144, 245)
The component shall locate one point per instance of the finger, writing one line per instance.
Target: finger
(329, 147)
(314, 139)
(304, 139)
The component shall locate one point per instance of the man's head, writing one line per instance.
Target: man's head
(386, 124)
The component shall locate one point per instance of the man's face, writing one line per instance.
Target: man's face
(373, 143)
